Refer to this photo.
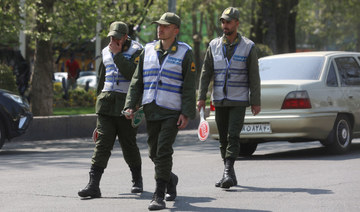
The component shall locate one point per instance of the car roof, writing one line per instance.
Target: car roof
(315, 54)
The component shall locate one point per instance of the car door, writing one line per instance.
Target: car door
(348, 68)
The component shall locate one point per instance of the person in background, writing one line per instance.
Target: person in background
(232, 63)
(73, 69)
(165, 80)
(119, 61)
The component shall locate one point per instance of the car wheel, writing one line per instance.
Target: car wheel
(339, 139)
(247, 149)
(2, 134)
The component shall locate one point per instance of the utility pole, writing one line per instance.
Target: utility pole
(22, 36)
(98, 43)
(172, 6)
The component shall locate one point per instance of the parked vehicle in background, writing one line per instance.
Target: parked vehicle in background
(87, 79)
(87, 73)
(59, 77)
(15, 116)
(313, 96)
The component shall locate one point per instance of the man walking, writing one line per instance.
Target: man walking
(165, 79)
(119, 61)
(232, 62)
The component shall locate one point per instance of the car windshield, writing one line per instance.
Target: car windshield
(291, 68)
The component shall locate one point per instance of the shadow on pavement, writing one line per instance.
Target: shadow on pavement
(317, 153)
(311, 191)
(184, 203)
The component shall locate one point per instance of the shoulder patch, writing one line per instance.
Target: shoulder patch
(193, 68)
(136, 61)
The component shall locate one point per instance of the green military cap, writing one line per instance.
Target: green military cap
(118, 29)
(230, 13)
(169, 18)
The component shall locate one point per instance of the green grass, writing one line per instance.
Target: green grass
(73, 111)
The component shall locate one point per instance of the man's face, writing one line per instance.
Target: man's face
(229, 27)
(166, 32)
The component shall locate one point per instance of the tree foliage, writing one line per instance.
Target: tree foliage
(57, 24)
(72, 21)
(329, 25)
(9, 23)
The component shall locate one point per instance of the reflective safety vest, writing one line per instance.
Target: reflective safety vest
(114, 80)
(163, 83)
(231, 77)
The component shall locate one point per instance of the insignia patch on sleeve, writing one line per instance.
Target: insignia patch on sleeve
(136, 61)
(193, 67)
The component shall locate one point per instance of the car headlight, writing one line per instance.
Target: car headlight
(14, 97)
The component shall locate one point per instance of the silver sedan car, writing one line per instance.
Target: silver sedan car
(313, 96)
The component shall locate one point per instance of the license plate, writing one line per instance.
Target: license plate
(256, 128)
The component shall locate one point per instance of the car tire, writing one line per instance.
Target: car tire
(2, 134)
(339, 139)
(247, 149)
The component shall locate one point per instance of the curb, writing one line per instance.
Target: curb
(73, 126)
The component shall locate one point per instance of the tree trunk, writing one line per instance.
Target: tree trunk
(210, 25)
(42, 86)
(256, 29)
(197, 38)
(279, 24)
(268, 8)
(292, 25)
(358, 38)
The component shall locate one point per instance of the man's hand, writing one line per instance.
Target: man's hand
(200, 104)
(255, 109)
(129, 113)
(116, 45)
(182, 122)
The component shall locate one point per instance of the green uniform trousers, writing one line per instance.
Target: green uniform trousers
(162, 135)
(229, 122)
(108, 128)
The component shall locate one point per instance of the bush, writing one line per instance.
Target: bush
(7, 78)
(76, 98)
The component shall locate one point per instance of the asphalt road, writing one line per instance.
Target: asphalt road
(46, 175)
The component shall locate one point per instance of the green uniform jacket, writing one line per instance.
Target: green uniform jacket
(207, 74)
(111, 103)
(188, 100)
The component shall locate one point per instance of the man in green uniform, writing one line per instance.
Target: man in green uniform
(119, 60)
(232, 62)
(165, 80)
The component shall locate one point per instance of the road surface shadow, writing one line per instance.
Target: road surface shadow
(315, 153)
(185, 203)
(311, 191)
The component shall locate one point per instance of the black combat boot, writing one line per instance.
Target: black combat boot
(228, 180)
(137, 181)
(233, 176)
(218, 183)
(157, 202)
(92, 188)
(171, 188)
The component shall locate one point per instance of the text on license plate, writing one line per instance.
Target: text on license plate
(256, 128)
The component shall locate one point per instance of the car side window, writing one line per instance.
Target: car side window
(331, 80)
(349, 71)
